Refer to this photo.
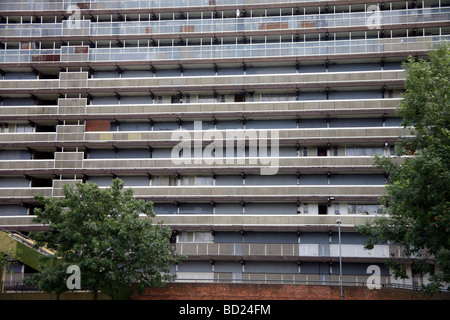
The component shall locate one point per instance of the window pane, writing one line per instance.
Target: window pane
(351, 208)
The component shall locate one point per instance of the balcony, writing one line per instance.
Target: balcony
(70, 107)
(285, 136)
(17, 194)
(226, 193)
(78, 82)
(192, 110)
(222, 27)
(29, 5)
(31, 137)
(264, 251)
(292, 50)
(261, 193)
(74, 134)
(285, 163)
(233, 222)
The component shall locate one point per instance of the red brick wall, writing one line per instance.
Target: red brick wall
(239, 291)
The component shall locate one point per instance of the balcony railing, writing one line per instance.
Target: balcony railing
(78, 107)
(71, 80)
(228, 25)
(167, 137)
(284, 250)
(229, 51)
(31, 5)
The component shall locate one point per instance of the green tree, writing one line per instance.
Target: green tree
(101, 231)
(417, 202)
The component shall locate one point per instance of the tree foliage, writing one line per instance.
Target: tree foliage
(417, 202)
(108, 234)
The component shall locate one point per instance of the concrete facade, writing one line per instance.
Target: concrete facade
(154, 94)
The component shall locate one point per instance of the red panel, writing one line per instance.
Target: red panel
(98, 125)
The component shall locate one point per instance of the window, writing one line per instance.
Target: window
(278, 97)
(173, 181)
(176, 99)
(4, 127)
(364, 209)
(305, 151)
(164, 181)
(323, 209)
(336, 208)
(239, 98)
(206, 99)
(321, 152)
(363, 151)
(195, 237)
(23, 128)
(336, 151)
(351, 209)
(203, 181)
(196, 180)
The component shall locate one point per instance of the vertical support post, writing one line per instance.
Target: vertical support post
(340, 258)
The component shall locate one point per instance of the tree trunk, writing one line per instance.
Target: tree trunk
(95, 291)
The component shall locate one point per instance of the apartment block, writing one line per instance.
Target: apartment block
(251, 124)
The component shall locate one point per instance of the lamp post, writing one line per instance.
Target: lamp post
(340, 258)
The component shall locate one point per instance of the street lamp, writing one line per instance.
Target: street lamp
(340, 257)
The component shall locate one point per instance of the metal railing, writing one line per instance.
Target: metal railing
(18, 285)
(229, 51)
(27, 241)
(26, 5)
(216, 26)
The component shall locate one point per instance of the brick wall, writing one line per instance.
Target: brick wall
(239, 291)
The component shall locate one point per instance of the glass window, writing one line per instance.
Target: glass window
(369, 209)
(206, 99)
(351, 208)
(336, 208)
(195, 237)
(278, 97)
(4, 127)
(203, 181)
(203, 237)
(23, 128)
(363, 151)
(364, 209)
(196, 180)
